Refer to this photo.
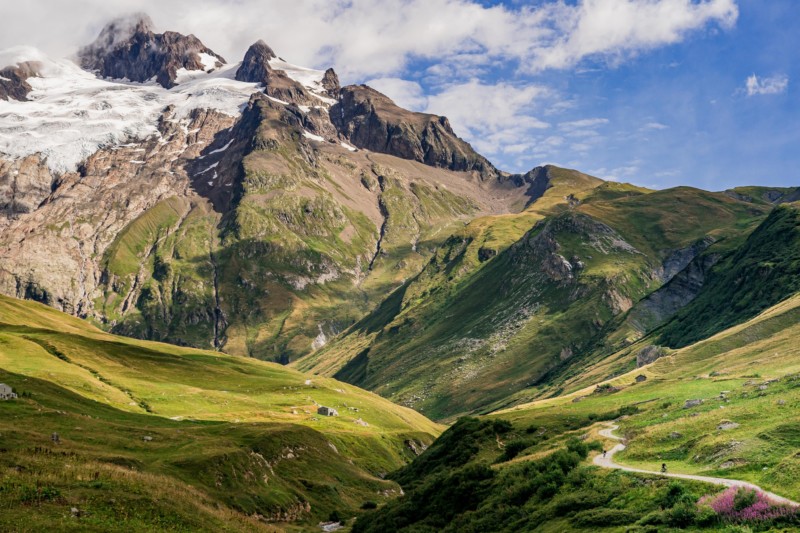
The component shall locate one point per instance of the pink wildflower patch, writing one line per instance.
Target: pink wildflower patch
(739, 504)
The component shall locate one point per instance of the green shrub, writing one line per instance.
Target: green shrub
(743, 499)
(674, 492)
(502, 426)
(705, 516)
(682, 515)
(512, 449)
(654, 518)
(570, 503)
(604, 518)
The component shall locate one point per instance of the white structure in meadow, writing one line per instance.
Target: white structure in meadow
(327, 411)
(6, 393)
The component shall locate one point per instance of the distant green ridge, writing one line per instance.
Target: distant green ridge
(764, 271)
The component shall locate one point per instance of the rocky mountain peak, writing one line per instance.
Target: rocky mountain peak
(330, 82)
(255, 66)
(129, 48)
(371, 120)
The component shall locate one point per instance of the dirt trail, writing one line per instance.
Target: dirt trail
(608, 462)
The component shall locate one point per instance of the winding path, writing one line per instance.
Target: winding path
(608, 462)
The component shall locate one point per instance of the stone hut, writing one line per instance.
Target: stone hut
(6, 393)
(327, 411)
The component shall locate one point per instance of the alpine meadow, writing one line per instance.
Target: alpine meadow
(251, 295)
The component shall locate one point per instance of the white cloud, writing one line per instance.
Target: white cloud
(491, 117)
(583, 124)
(629, 171)
(772, 85)
(616, 28)
(654, 126)
(406, 94)
(378, 38)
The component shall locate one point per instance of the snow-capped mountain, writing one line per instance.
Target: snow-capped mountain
(70, 113)
(67, 112)
(168, 194)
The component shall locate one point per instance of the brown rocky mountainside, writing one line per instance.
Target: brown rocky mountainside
(262, 233)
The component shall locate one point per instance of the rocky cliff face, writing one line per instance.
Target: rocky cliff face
(682, 288)
(58, 231)
(370, 120)
(256, 69)
(128, 48)
(330, 81)
(255, 66)
(14, 80)
(24, 184)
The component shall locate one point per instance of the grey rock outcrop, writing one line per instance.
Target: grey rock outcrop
(127, 48)
(256, 69)
(370, 120)
(537, 180)
(24, 184)
(14, 80)
(649, 354)
(255, 66)
(660, 305)
(330, 82)
(680, 259)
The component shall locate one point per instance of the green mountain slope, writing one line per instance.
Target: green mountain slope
(475, 328)
(232, 440)
(748, 375)
(303, 239)
(529, 468)
(762, 272)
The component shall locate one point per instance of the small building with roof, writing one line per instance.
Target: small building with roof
(6, 392)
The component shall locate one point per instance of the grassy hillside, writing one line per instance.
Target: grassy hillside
(466, 482)
(235, 442)
(748, 378)
(528, 468)
(762, 272)
(483, 324)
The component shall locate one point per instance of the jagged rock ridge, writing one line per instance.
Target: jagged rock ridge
(371, 120)
(256, 69)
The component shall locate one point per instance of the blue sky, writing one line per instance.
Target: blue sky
(678, 114)
(655, 92)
